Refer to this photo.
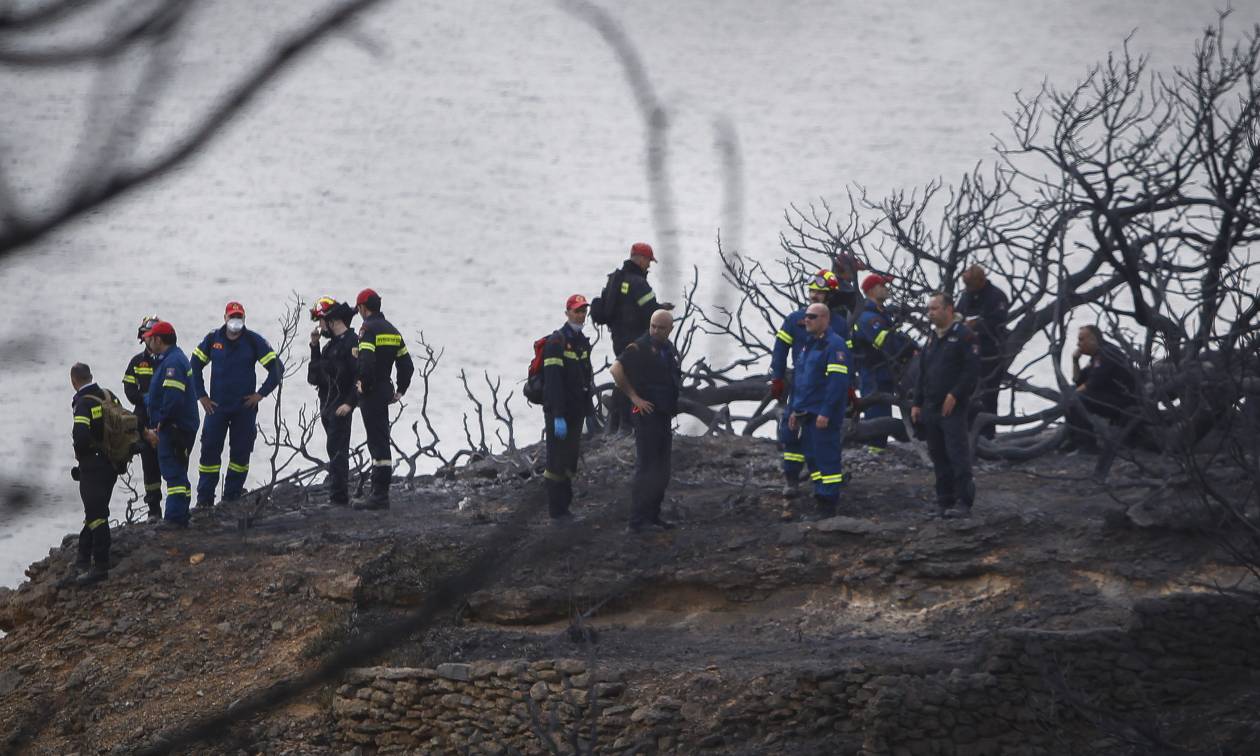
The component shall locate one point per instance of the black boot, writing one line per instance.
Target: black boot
(95, 574)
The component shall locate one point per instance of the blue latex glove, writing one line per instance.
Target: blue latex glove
(561, 428)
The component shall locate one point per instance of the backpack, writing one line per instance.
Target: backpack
(604, 307)
(534, 378)
(120, 430)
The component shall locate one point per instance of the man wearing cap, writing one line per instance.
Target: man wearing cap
(231, 405)
(136, 380)
(172, 414)
(949, 369)
(818, 405)
(648, 372)
(984, 307)
(567, 391)
(333, 372)
(877, 344)
(381, 347)
(791, 339)
(635, 304)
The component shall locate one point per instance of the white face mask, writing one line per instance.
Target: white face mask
(236, 325)
(577, 326)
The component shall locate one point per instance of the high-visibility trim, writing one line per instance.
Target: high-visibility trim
(152, 486)
(829, 479)
(815, 475)
(143, 371)
(367, 346)
(836, 367)
(94, 524)
(172, 383)
(848, 343)
(177, 490)
(879, 339)
(402, 352)
(209, 468)
(549, 475)
(793, 457)
(129, 379)
(233, 467)
(388, 339)
(96, 412)
(266, 359)
(625, 287)
(557, 361)
(645, 298)
(785, 337)
(83, 419)
(200, 354)
(382, 462)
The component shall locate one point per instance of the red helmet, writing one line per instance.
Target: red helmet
(824, 280)
(322, 306)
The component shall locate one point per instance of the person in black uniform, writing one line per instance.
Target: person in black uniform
(567, 389)
(648, 372)
(96, 476)
(136, 386)
(949, 370)
(381, 347)
(333, 371)
(635, 304)
(1107, 387)
(984, 308)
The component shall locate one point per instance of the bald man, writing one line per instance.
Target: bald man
(984, 308)
(648, 372)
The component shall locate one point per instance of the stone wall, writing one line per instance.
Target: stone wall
(1017, 698)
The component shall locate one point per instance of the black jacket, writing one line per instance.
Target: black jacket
(89, 429)
(1108, 378)
(654, 372)
(381, 347)
(333, 371)
(989, 305)
(136, 383)
(567, 375)
(949, 364)
(635, 304)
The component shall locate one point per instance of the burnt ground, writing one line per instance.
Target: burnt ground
(191, 623)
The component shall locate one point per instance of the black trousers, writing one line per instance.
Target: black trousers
(653, 446)
(337, 433)
(950, 450)
(990, 384)
(562, 464)
(96, 485)
(152, 479)
(375, 410)
(1081, 430)
(619, 413)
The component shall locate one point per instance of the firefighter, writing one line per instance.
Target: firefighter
(95, 474)
(649, 374)
(333, 372)
(171, 409)
(877, 345)
(381, 347)
(790, 339)
(635, 303)
(818, 405)
(985, 310)
(231, 405)
(136, 381)
(568, 386)
(949, 369)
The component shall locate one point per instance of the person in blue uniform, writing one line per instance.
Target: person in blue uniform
(136, 380)
(171, 407)
(878, 345)
(818, 405)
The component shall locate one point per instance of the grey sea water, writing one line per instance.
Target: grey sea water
(478, 162)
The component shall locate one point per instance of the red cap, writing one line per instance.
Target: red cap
(234, 308)
(642, 248)
(160, 328)
(873, 280)
(364, 296)
(575, 301)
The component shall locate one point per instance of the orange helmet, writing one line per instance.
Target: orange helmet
(322, 307)
(824, 280)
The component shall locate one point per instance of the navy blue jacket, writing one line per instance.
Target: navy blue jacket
(231, 361)
(567, 374)
(334, 370)
(822, 377)
(381, 350)
(136, 380)
(948, 364)
(792, 336)
(989, 305)
(876, 340)
(89, 424)
(635, 304)
(171, 401)
(655, 372)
